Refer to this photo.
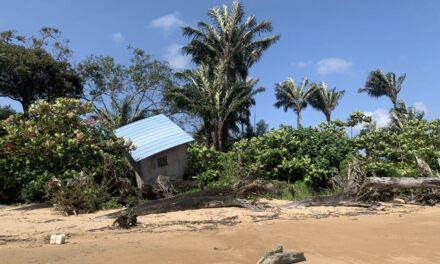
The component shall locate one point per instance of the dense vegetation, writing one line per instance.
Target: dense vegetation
(62, 149)
(54, 142)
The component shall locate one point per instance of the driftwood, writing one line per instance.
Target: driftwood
(423, 168)
(383, 183)
(277, 256)
(126, 220)
(362, 191)
(165, 185)
(213, 198)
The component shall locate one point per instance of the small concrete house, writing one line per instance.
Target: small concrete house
(161, 148)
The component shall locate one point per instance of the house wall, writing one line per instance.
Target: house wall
(147, 169)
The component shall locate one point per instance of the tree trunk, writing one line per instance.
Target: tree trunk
(220, 136)
(298, 117)
(384, 183)
(213, 198)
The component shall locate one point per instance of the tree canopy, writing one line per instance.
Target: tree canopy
(232, 40)
(288, 95)
(29, 73)
(325, 100)
(126, 93)
(380, 84)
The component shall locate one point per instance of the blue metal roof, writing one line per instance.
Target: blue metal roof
(152, 135)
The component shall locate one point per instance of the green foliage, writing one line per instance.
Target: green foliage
(216, 102)
(289, 155)
(6, 111)
(211, 167)
(77, 195)
(380, 84)
(392, 154)
(401, 114)
(307, 154)
(124, 94)
(233, 42)
(325, 100)
(55, 141)
(290, 96)
(29, 73)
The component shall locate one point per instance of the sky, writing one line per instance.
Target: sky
(337, 41)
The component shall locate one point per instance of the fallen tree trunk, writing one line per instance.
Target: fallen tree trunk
(361, 191)
(382, 183)
(213, 198)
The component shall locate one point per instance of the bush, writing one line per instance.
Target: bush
(78, 195)
(55, 141)
(210, 167)
(307, 154)
(392, 154)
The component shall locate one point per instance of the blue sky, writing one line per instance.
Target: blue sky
(336, 41)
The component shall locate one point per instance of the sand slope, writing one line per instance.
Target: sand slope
(402, 234)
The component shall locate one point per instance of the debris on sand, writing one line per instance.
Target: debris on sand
(277, 256)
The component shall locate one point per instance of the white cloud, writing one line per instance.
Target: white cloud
(167, 22)
(420, 106)
(117, 37)
(302, 64)
(332, 65)
(381, 116)
(175, 57)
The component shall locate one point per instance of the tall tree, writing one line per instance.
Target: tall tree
(126, 93)
(288, 95)
(216, 102)
(232, 39)
(401, 115)
(29, 73)
(380, 84)
(325, 100)
(6, 111)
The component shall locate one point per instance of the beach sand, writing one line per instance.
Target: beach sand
(398, 234)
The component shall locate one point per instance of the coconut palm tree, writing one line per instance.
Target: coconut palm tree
(216, 102)
(121, 115)
(378, 84)
(401, 115)
(230, 38)
(290, 96)
(325, 100)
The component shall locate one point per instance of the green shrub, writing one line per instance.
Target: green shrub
(210, 167)
(54, 141)
(307, 154)
(77, 195)
(392, 154)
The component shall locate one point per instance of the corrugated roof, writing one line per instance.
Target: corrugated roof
(153, 135)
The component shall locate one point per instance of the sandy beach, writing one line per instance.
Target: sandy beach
(397, 234)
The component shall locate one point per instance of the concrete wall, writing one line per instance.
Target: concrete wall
(147, 169)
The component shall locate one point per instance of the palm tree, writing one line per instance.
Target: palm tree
(216, 102)
(401, 115)
(121, 115)
(325, 100)
(290, 96)
(378, 84)
(231, 39)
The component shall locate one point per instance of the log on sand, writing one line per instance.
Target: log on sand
(383, 183)
(213, 198)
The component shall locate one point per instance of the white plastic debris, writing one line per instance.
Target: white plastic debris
(57, 239)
